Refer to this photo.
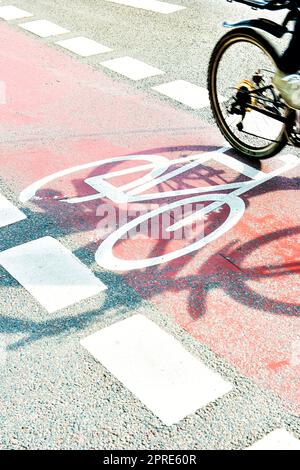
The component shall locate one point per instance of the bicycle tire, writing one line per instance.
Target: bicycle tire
(234, 36)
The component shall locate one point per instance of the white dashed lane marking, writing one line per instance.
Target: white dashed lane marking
(191, 95)
(51, 273)
(156, 368)
(131, 68)
(9, 214)
(3, 350)
(83, 46)
(9, 12)
(280, 439)
(43, 28)
(150, 5)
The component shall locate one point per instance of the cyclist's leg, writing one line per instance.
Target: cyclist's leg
(290, 60)
(287, 78)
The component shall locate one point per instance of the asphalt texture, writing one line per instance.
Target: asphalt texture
(54, 395)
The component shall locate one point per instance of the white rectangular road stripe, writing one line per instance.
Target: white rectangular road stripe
(9, 214)
(156, 368)
(83, 46)
(43, 28)
(187, 93)
(131, 68)
(280, 439)
(51, 273)
(9, 12)
(150, 5)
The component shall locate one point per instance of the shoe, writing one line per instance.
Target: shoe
(289, 88)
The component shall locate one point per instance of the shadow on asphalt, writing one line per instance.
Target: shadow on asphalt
(124, 290)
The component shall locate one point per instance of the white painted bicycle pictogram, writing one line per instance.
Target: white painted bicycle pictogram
(159, 171)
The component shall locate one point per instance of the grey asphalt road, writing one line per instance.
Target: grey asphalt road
(54, 395)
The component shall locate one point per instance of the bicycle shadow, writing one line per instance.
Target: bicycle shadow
(152, 281)
(210, 276)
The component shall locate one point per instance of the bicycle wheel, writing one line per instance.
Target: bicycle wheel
(240, 76)
(106, 258)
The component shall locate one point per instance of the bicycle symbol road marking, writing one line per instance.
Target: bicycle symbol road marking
(158, 171)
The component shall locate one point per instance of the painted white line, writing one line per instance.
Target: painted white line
(191, 95)
(131, 68)
(156, 368)
(239, 166)
(3, 350)
(51, 273)
(150, 5)
(43, 28)
(9, 214)
(9, 12)
(262, 126)
(280, 439)
(83, 46)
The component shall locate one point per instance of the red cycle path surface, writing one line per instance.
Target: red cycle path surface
(240, 294)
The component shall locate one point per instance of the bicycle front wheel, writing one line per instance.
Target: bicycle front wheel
(243, 100)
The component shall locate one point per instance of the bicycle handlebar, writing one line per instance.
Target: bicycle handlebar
(266, 4)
